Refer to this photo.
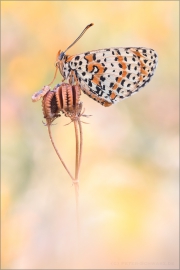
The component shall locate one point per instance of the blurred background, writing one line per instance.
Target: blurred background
(129, 173)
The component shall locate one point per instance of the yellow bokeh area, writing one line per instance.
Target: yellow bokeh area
(129, 171)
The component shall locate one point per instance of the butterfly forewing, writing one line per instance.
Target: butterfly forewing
(109, 75)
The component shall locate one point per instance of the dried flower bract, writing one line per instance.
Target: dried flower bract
(63, 98)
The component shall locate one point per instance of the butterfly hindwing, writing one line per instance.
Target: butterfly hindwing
(109, 75)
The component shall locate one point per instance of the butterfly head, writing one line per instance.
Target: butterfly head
(61, 57)
(60, 61)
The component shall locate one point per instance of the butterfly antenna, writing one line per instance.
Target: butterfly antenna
(85, 29)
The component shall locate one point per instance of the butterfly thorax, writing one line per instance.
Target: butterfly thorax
(65, 68)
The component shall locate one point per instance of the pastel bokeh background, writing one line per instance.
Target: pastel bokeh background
(129, 175)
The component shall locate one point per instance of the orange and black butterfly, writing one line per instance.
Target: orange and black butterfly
(106, 75)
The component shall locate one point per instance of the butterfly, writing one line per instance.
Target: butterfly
(106, 75)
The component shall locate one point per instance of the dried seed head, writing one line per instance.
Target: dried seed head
(68, 100)
(50, 108)
(64, 98)
(40, 93)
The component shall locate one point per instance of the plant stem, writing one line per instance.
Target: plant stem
(77, 150)
(78, 156)
(76, 182)
(81, 144)
(50, 135)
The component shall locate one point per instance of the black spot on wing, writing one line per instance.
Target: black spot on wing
(122, 82)
(94, 56)
(77, 57)
(118, 89)
(102, 78)
(111, 85)
(90, 83)
(118, 51)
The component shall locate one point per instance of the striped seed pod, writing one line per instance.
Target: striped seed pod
(63, 98)
(50, 108)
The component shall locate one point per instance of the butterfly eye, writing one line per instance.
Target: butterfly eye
(61, 56)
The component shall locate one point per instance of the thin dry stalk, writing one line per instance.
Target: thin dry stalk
(57, 152)
(81, 143)
(77, 150)
(78, 156)
(76, 182)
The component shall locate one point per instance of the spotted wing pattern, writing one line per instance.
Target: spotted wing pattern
(109, 75)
